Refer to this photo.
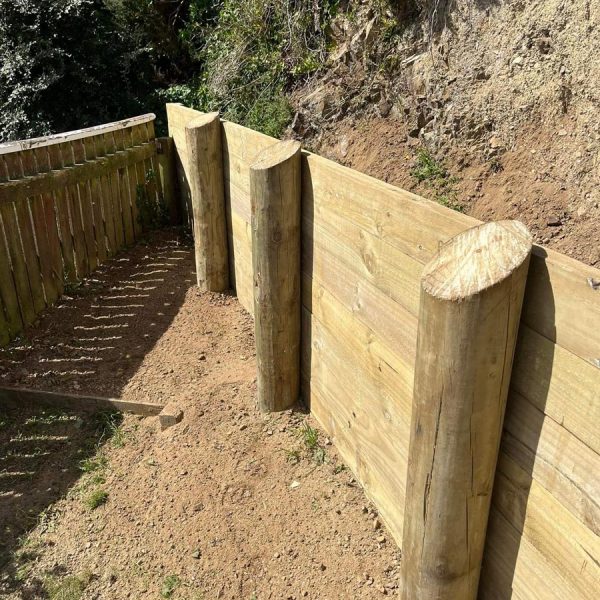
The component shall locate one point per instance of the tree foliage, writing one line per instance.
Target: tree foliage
(66, 64)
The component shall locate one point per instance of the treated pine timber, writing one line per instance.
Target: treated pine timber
(21, 396)
(276, 232)
(471, 298)
(203, 140)
(79, 173)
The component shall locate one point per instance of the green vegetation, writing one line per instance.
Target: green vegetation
(96, 498)
(241, 57)
(170, 584)
(438, 179)
(69, 588)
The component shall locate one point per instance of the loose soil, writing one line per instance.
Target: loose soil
(229, 503)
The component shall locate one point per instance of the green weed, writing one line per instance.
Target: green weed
(431, 172)
(169, 585)
(69, 588)
(96, 498)
(292, 456)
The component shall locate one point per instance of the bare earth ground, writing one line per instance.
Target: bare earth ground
(531, 182)
(229, 503)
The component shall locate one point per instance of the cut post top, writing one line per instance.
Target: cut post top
(275, 155)
(476, 260)
(202, 120)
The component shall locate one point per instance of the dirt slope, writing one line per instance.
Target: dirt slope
(504, 94)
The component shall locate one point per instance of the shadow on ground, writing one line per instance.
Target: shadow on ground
(92, 341)
(44, 453)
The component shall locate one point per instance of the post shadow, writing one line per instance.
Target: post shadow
(91, 342)
(306, 282)
(524, 455)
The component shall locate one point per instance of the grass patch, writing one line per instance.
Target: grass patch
(169, 585)
(108, 426)
(433, 173)
(292, 456)
(69, 588)
(96, 498)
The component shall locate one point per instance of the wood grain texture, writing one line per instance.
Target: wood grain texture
(21, 396)
(205, 164)
(471, 298)
(276, 231)
(61, 212)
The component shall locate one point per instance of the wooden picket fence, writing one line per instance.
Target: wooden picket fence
(68, 202)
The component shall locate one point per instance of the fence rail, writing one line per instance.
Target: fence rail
(67, 203)
(364, 246)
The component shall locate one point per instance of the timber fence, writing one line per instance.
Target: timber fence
(70, 201)
(400, 336)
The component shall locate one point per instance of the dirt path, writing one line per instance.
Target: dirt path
(227, 504)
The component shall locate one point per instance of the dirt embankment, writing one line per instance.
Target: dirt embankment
(504, 95)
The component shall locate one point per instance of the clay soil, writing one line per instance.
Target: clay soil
(229, 503)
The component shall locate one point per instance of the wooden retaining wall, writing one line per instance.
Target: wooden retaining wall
(364, 245)
(67, 203)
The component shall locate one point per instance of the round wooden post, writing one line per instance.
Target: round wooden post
(471, 298)
(205, 160)
(275, 198)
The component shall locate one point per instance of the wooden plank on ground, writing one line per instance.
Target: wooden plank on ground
(20, 396)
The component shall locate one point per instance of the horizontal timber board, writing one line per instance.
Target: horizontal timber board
(513, 567)
(562, 385)
(20, 396)
(363, 424)
(392, 322)
(79, 134)
(560, 303)
(565, 544)
(556, 459)
(53, 181)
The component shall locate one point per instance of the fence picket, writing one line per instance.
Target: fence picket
(94, 148)
(57, 161)
(136, 181)
(109, 147)
(17, 259)
(51, 258)
(114, 181)
(127, 193)
(8, 292)
(81, 257)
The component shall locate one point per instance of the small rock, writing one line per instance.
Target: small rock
(376, 524)
(553, 221)
(196, 554)
(294, 485)
(202, 356)
(381, 539)
(517, 60)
